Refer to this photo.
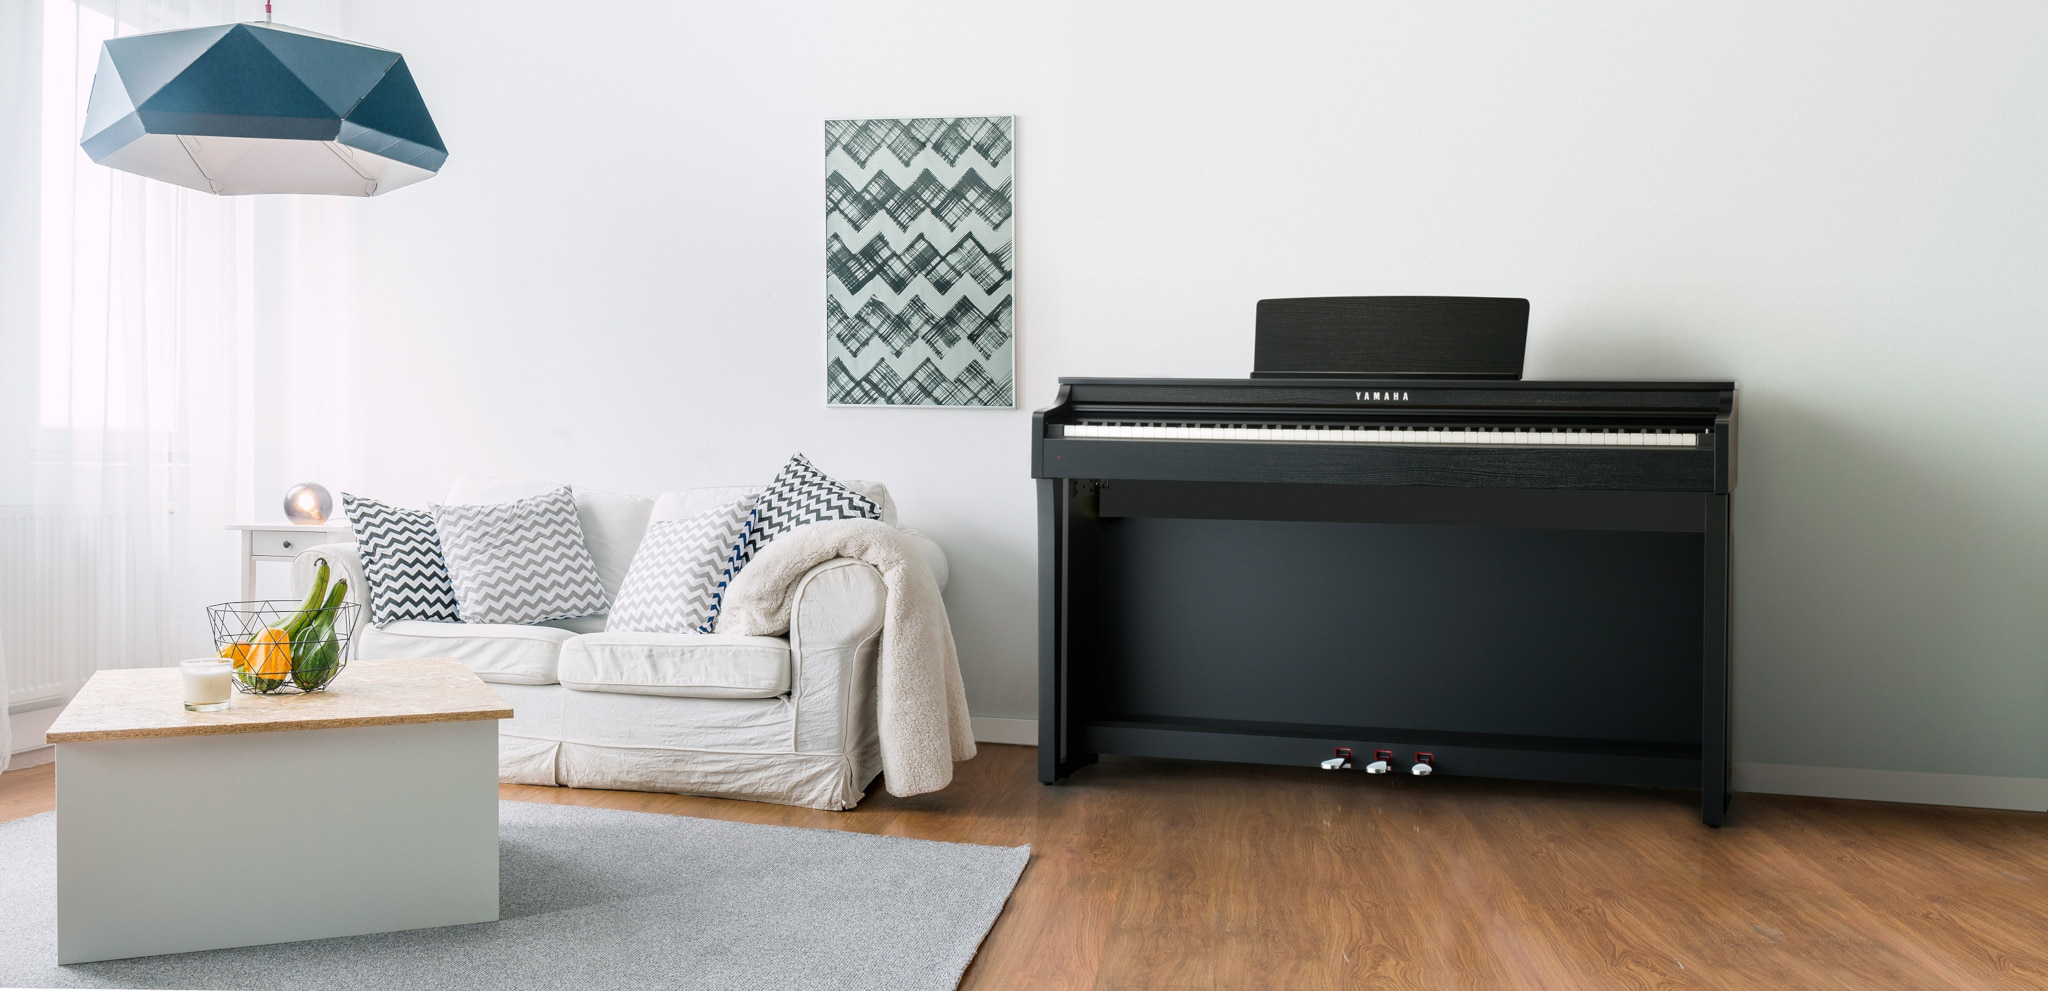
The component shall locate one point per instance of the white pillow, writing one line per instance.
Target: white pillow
(612, 521)
(680, 572)
(519, 562)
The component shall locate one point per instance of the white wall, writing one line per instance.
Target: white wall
(618, 278)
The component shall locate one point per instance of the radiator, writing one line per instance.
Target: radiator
(81, 591)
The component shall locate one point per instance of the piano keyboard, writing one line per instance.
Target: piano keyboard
(1345, 434)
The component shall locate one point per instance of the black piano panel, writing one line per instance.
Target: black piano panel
(1557, 509)
(1464, 630)
(1642, 470)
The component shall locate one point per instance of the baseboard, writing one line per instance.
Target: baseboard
(28, 730)
(31, 757)
(993, 729)
(1916, 787)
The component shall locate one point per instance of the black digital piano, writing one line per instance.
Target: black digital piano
(1386, 552)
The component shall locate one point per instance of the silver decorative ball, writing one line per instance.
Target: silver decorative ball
(308, 503)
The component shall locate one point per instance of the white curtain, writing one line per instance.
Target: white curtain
(125, 444)
(6, 729)
(20, 39)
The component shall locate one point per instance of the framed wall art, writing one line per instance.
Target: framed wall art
(919, 262)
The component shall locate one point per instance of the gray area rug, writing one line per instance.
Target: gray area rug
(591, 898)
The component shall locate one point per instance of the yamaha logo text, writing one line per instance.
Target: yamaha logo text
(1399, 397)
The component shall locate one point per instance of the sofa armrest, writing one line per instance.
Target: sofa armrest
(342, 563)
(835, 626)
(928, 549)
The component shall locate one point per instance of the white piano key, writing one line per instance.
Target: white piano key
(1350, 434)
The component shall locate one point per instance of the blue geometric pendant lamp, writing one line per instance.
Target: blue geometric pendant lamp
(260, 108)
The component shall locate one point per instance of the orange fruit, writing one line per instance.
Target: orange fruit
(270, 655)
(238, 653)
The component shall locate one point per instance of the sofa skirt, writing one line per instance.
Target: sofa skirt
(720, 748)
(815, 781)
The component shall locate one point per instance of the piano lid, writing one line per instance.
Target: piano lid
(1391, 337)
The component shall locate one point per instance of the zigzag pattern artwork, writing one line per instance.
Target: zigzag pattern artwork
(520, 562)
(966, 260)
(946, 137)
(680, 572)
(927, 194)
(402, 560)
(897, 331)
(926, 386)
(919, 263)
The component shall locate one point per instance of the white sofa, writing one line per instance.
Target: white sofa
(787, 719)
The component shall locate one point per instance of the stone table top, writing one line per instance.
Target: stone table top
(139, 703)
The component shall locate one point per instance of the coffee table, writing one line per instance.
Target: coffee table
(369, 807)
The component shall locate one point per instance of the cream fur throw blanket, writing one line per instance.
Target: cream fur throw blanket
(921, 703)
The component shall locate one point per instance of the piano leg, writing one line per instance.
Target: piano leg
(1715, 644)
(1050, 536)
(1066, 523)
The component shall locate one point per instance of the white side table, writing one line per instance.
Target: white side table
(282, 542)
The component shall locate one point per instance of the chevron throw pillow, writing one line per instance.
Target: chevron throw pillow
(680, 572)
(401, 557)
(800, 494)
(520, 562)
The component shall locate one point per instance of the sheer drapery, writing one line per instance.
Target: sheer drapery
(117, 476)
(6, 729)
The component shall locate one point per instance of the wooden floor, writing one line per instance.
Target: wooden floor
(1160, 874)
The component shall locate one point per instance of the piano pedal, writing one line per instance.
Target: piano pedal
(1339, 762)
(1424, 764)
(1382, 762)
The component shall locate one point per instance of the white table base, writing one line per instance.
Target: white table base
(171, 844)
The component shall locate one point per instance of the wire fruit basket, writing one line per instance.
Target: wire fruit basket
(281, 647)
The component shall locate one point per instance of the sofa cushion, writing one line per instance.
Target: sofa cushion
(686, 665)
(682, 504)
(520, 562)
(612, 522)
(685, 503)
(498, 653)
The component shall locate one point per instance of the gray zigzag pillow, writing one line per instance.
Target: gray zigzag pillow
(402, 560)
(520, 562)
(678, 573)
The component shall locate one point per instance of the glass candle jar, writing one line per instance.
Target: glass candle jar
(208, 687)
